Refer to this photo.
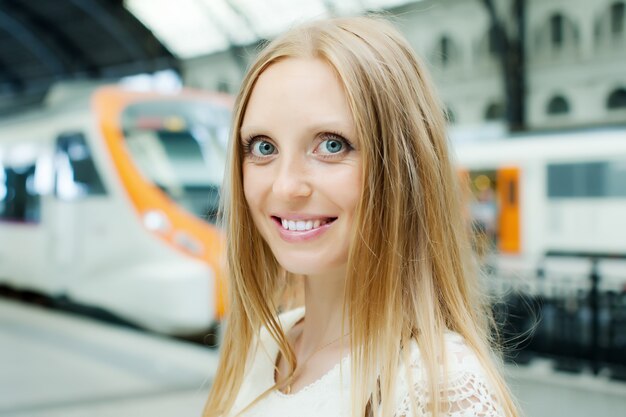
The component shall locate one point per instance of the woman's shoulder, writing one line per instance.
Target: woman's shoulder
(259, 374)
(459, 356)
(467, 389)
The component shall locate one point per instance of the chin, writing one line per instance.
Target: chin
(300, 268)
(301, 265)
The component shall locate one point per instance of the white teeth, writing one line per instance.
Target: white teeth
(302, 225)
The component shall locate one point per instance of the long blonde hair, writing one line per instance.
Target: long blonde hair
(411, 273)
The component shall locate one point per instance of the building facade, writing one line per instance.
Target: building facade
(575, 58)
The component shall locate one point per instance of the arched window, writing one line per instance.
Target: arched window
(444, 49)
(556, 30)
(557, 105)
(494, 111)
(450, 115)
(617, 99)
(617, 18)
(492, 41)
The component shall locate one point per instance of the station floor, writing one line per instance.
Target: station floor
(54, 364)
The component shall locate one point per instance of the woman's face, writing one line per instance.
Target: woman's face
(301, 165)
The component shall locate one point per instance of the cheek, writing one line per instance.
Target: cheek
(355, 187)
(343, 187)
(257, 184)
(251, 188)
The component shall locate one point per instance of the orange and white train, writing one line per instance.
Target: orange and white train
(109, 199)
(538, 194)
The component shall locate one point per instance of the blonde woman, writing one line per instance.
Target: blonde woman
(340, 177)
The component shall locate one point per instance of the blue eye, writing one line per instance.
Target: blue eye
(332, 146)
(263, 148)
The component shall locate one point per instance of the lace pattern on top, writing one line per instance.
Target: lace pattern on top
(467, 393)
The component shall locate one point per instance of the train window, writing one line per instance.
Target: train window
(616, 179)
(181, 148)
(76, 173)
(595, 179)
(561, 181)
(585, 180)
(19, 199)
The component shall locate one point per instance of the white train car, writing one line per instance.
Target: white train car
(540, 194)
(102, 199)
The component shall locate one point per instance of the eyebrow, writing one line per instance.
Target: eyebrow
(245, 131)
(327, 125)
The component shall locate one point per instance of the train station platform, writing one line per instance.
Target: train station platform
(54, 364)
(543, 392)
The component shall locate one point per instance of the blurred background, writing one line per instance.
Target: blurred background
(114, 120)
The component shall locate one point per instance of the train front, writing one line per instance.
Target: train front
(168, 154)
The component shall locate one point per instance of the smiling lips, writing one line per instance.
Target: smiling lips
(302, 229)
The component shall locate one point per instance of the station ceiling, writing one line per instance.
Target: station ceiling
(44, 42)
(199, 27)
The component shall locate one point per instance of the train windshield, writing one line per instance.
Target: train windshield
(181, 148)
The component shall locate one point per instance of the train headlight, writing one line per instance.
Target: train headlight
(156, 221)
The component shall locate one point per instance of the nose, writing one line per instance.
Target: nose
(292, 180)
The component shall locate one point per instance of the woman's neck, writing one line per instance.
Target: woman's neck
(324, 302)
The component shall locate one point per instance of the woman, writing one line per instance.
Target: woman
(340, 178)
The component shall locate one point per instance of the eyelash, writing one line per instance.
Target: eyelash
(249, 142)
(247, 145)
(338, 137)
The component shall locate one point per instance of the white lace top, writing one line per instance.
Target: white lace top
(468, 391)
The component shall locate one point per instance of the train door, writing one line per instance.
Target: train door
(483, 210)
(509, 223)
(494, 209)
(77, 183)
(22, 189)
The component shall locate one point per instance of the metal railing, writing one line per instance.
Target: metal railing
(578, 319)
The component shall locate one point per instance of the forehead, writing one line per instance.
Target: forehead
(297, 91)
